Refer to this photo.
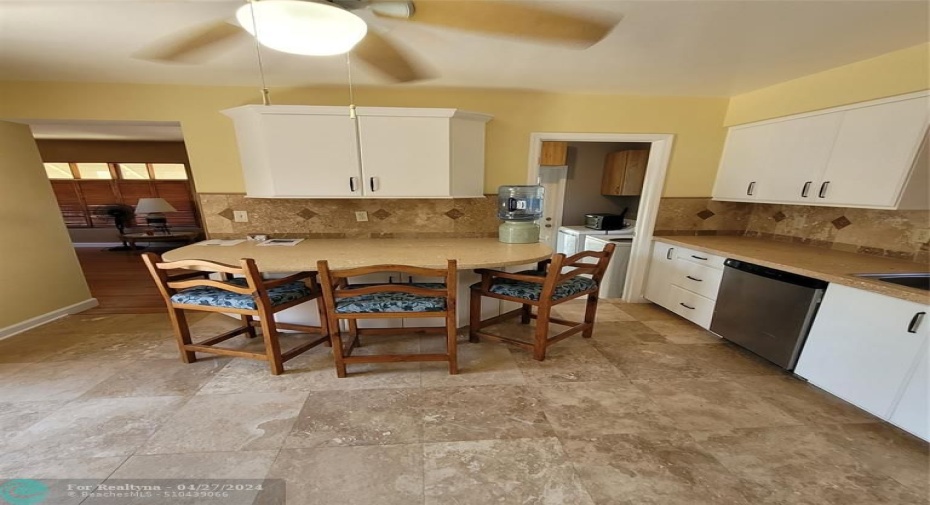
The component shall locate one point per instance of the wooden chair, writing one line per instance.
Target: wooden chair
(249, 296)
(345, 301)
(543, 288)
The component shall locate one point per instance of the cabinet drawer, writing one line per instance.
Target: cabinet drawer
(691, 306)
(700, 279)
(701, 258)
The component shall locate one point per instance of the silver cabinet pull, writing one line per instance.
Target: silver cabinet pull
(668, 254)
(694, 279)
(806, 189)
(823, 189)
(371, 184)
(915, 322)
(751, 188)
(685, 306)
(698, 258)
(352, 184)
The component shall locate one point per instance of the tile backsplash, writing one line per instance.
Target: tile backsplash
(894, 233)
(899, 234)
(335, 218)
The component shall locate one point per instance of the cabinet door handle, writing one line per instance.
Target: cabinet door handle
(371, 184)
(694, 279)
(807, 188)
(668, 254)
(685, 306)
(823, 189)
(352, 184)
(915, 322)
(698, 258)
(751, 188)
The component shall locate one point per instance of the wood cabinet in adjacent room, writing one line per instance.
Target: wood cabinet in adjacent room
(624, 173)
(553, 154)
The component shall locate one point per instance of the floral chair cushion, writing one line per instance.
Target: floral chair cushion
(532, 290)
(392, 301)
(215, 297)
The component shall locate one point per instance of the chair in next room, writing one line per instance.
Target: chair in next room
(243, 292)
(354, 302)
(543, 288)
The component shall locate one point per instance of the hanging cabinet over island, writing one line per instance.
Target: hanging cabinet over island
(296, 151)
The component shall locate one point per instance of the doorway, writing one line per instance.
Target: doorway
(660, 147)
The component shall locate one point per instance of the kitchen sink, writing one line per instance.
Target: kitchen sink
(911, 280)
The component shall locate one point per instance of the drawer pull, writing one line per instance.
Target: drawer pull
(694, 279)
(807, 188)
(751, 188)
(915, 322)
(352, 184)
(698, 258)
(823, 189)
(685, 306)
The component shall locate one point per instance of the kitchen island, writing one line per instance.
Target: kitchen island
(470, 253)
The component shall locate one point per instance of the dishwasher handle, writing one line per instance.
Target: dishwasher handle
(771, 273)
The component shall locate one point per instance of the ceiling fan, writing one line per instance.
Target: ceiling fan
(493, 17)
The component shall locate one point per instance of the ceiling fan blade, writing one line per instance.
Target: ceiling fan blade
(193, 46)
(385, 57)
(511, 19)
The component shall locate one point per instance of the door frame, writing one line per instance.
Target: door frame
(656, 169)
(562, 174)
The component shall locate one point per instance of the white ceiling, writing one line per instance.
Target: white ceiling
(709, 48)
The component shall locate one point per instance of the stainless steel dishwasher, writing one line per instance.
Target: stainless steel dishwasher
(765, 310)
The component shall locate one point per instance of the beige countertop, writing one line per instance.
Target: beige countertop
(816, 262)
(351, 253)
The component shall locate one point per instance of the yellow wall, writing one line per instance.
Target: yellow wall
(38, 266)
(697, 122)
(890, 74)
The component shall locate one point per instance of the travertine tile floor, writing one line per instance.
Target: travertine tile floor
(652, 410)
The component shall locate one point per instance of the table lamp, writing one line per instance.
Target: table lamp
(154, 209)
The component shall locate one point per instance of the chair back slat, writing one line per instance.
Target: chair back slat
(242, 290)
(336, 285)
(200, 265)
(374, 269)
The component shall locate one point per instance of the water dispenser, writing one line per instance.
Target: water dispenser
(519, 207)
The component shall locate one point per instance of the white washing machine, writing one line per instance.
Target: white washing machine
(615, 276)
(571, 239)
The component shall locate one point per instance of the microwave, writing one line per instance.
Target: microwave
(604, 221)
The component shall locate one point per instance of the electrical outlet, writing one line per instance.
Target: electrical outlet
(241, 216)
(361, 215)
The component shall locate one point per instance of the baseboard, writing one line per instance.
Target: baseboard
(31, 323)
(96, 244)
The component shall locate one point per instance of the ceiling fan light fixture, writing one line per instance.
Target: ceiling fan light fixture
(302, 27)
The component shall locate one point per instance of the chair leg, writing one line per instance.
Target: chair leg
(324, 320)
(451, 343)
(474, 315)
(338, 350)
(182, 333)
(590, 312)
(542, 333)
(247, 322)
(353, 331)
(525, 313)
(272, 346)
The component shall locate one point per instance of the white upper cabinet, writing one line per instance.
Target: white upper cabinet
(744, 164)
(320, 152)
(873, 153)
(860, 155)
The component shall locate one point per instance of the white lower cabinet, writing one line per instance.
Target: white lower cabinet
(684, 281)
(871, 350)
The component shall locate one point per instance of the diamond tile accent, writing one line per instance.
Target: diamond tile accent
(779, 216)
(455, 214)
(706, 214)
(227, 213)
(307, 214)
(381, 214)
(841, 222)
